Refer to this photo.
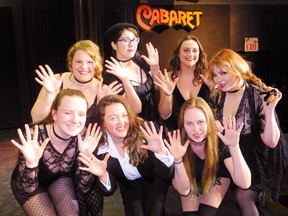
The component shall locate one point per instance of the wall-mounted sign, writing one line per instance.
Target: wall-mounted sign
(147, 17)
(251, 44)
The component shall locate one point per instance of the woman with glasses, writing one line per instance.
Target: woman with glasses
(134, 70)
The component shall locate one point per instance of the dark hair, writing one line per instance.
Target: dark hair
(115, 31)
(201, 65)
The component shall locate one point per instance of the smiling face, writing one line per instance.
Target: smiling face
(195, 124)
(116, 121)
(70, 116)
(82, 66)
(224, 80)
(124, 50)
(189, 53)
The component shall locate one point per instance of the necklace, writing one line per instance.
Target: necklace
(198, 143)
(59, 137)
(123, 60)
(234, 91)
(83, 82)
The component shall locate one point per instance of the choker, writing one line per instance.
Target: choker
(123, 60)
(59, 137)
(198, 143)
(82, 81)
(234, 91)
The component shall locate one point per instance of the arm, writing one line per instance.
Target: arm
(180, 181)
(152, 60)
(236, 164)
(31, 152)
(271, 133)
(118, 69)
(166, 86)
(51, 86)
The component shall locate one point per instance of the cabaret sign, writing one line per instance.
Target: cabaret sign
(147, 17)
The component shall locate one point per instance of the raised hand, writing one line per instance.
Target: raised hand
(175, 146)
(153, 56)
(116, 68)
(165, 83)
(232, 133)
(270, 98)
(154, 140)
(48, 80)
(93, 165)
(112, 88)
(30, 147)
(91, 139)
(219, 126)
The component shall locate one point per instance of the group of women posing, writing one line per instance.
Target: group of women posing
(211, 127)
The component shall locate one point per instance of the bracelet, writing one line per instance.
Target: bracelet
(178, 162)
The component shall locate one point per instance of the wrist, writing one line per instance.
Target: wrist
(154, 67)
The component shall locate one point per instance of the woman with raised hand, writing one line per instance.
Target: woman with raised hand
(43, 180)
(133, 70)
(238, 92)
(184, 79)
(139, 160)
(84, 62)
(203, 162)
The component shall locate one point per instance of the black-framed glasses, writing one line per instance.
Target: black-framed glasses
(127, 41)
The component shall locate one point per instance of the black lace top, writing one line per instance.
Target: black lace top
(266, 164)
(52, 165)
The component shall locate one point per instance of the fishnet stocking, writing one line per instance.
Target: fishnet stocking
(59, 200)
(91, 202)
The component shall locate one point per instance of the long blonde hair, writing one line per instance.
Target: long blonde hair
(211, 147)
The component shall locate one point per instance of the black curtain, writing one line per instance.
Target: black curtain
(44, 30)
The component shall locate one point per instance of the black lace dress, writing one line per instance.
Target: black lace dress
(26, 182)
(266, 164)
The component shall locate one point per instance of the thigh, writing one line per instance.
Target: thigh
(39, 204)
(216, 194)
(63, 195)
